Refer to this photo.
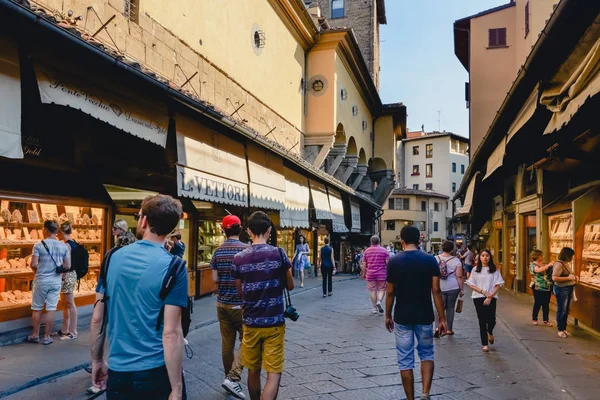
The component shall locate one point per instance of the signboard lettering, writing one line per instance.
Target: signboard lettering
(203, 186)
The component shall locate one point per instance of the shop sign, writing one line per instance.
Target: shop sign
(202, 186)
(355, 213)
(133, 116)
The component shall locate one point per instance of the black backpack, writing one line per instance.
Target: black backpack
(80, 259)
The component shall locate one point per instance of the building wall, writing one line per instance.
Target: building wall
(320, 114)
(385, 144)
(492, 71)
(539, 13)
(361, 16)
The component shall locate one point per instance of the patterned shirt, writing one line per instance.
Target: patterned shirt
(221, 262)
(542, 280)
(375, 259)
(46, 270)
(261, 268)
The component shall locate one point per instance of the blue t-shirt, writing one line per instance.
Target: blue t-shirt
(134, 280)
(326, 256)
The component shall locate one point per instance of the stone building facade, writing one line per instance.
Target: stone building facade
(364, 18)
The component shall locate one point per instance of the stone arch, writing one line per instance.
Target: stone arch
(352, 150)
(362, 157)
(340, 134)
(377, 164)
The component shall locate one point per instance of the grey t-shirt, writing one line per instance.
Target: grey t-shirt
(469, 258)
(46, 270)
(561, 269)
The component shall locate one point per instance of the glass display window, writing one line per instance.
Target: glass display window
(210, 237)
(590, 266)
(286, 240)
(560, 227)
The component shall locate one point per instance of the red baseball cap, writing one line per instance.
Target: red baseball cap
(229, 221)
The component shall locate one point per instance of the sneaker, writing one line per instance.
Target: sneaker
(375, 311)
(69, 336)
(324, 295)
(379, 308)
(234, 388)
(93, 389)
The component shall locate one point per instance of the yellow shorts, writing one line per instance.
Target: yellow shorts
(263, 346)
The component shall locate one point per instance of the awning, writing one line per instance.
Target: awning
(135, 114)
(466, 208)
(525, 114)
(212, 167)
(574, 84)
(320, 200)
(355, 211)
(297, 196)
(267, 183)
(337, 210)
(10, 100)
(496, 158)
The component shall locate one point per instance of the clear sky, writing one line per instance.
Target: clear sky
(418, 65)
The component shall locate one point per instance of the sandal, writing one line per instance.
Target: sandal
(562, 334)
(535, 322)
(450, 333)
(436, 334)
(32, 339)
(491, 338)
(548, 323)
(485, 349)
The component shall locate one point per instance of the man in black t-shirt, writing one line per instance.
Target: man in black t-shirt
(412, 277)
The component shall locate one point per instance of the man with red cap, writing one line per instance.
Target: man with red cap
(229, 304)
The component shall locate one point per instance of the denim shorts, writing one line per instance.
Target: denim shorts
(468, 268)
(405, 344)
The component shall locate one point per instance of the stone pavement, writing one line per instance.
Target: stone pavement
(339, 350)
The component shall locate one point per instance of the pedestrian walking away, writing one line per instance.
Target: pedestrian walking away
(541, 284)
(413, 277)
(229, 304)
(301, 258)
(68, 330)
(564, 288)
(486, 281)
(327, 265)
(260, 272)
(144, 332)
(451, 284)
(50, 258)
(374, 266)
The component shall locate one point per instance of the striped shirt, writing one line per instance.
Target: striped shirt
(46, 270)
(221, 262)
(375, 259)
(261, 268)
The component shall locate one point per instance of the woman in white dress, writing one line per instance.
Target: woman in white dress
(486, 281)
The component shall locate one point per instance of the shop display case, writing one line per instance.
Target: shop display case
(561, 233)
(210, 237)
(21, 225)
(285, 237)
(590, 265)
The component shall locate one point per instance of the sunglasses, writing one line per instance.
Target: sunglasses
(137, 216)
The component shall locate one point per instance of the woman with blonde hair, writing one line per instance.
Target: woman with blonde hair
(541, 284)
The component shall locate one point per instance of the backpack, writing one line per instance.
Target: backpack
(175, 267)
(443, 264)
(80, 260)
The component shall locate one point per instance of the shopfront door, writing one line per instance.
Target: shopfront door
(530, 245)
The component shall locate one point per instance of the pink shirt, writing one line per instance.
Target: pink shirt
(375, 258)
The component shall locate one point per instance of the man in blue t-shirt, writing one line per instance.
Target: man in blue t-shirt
(412, 278)
(144, 362)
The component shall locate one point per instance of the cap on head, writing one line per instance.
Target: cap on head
(229, 221)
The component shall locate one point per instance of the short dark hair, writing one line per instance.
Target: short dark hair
(259, 223)
(410, 235)
(566, 254)
(51, 226)
(326, 240)
(235, 230)
(162, 213)
(470, 246)
(66, 228)
(447, 246)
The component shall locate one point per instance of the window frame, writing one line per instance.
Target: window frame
(343, 8)
(494, 36)
(435, 226)
(462, 169)
(429, 170)
(415, 171)
(415, 186)
(390, 223)
(453, 187)
(402, 203)
(454, 167)
(429, 186)
(415, 150)
(436, 206)
(423, 205)
(429, 150)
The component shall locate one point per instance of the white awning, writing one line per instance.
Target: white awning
(496, 158)
(337, 210)
(297, 197)
(320, 200)
(576, 82)
(10, 100)
(212, 167)
(355, 210)
(525, 114)
(466, 208)
(135, 114)
(267, 183)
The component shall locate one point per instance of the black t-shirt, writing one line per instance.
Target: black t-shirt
(411, 272)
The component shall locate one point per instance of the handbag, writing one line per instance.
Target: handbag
(459, 305)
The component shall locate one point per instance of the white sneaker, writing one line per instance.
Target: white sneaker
(234, 388)
(375, 311)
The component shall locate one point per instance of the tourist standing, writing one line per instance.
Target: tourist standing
(301, 258)
(327, 265)
(177, 246)
(229, 304)
(144, 362)
(48, 255)
(413, 277)
(119, 228)
(261, 272)
(486, 281)
(374, 266)
(469, 260)
(564, 287)
(451, 284)
(541, 284)
(68, 331)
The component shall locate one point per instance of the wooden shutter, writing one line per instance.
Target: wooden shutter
(493, 37)
(502, 37)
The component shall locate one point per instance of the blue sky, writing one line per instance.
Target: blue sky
(418, 65)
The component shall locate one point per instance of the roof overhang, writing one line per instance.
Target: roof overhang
(297, 20)
(462, 29)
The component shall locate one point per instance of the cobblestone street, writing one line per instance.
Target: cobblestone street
(339, 350)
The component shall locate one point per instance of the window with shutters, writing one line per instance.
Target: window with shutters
(402, 204)
(497, 37)
(429, 170)
(429, 151)
(526, 19)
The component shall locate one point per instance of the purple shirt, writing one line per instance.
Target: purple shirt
(261, 269)
(375, 258)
